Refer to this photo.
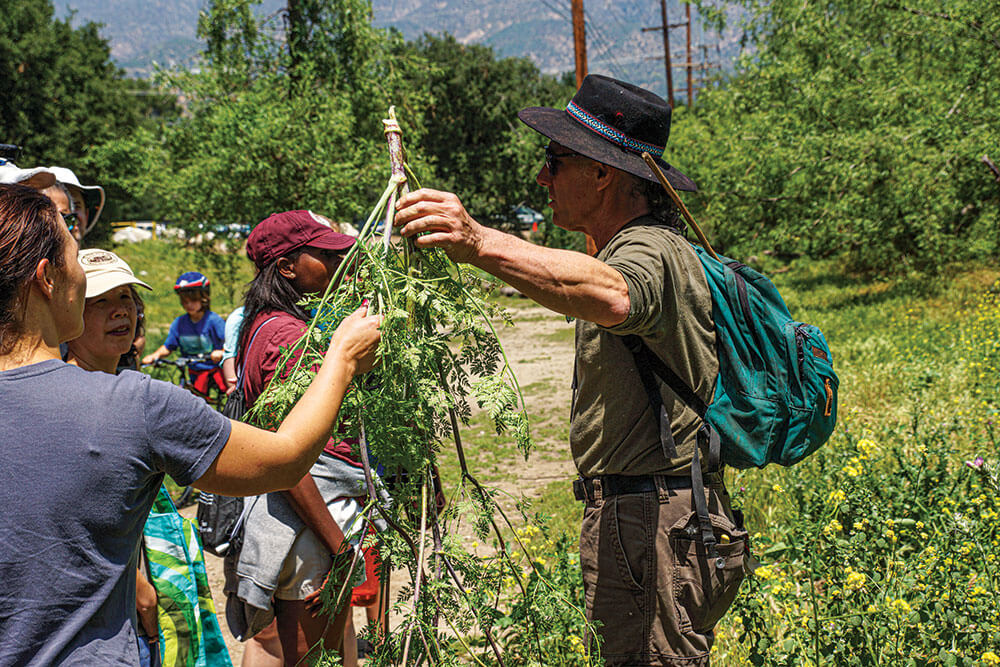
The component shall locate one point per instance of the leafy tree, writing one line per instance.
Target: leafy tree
(285, 113)
(62, 95)
(479, 148)
(275, 122)
(856, 130)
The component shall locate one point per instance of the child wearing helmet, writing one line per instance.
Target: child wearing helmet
(199, 331)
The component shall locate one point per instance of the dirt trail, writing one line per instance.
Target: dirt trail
(540, 350)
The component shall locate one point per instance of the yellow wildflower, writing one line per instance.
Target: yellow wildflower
(866, 448)
(832, 528)
(837, 496)
(900, 606)
(853, 467)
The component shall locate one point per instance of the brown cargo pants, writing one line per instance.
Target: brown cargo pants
(648, 582)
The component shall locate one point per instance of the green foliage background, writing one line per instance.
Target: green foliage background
(854, 130)
(285, 114)
(850, 129)
(61, 97)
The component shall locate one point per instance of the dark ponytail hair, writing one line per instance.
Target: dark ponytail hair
(661, 206)
(268, 291)
(29, 233)
(130, 359)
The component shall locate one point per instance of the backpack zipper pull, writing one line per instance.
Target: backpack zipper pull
(829, 397)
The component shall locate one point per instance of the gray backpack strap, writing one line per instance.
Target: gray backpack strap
(649, 366)
(642, 355)
(239, 369)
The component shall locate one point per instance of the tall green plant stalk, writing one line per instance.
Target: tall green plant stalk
(439, 353)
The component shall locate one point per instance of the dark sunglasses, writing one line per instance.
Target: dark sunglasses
(72, 220)
(552, 159)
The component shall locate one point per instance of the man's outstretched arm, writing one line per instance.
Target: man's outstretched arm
(565, 281)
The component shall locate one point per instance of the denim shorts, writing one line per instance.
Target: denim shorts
(648, 582)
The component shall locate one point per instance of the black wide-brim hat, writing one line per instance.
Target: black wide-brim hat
(612, 122)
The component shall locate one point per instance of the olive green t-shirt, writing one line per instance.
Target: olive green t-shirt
(614, 430)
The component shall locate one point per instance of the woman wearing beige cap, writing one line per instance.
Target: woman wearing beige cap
(110, 319)
(110, 312)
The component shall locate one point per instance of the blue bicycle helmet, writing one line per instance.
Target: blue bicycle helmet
(191, 280)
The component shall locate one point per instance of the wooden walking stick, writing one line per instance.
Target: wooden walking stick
(677, 200)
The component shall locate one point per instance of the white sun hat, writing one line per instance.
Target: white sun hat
(38, 178)
(93, 195)
(105, 271)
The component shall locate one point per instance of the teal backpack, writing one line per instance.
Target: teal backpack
(776, 394)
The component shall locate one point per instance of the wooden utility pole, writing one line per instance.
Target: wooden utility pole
(579, 42)
(666, 52)
(580, 51)
(668, 61)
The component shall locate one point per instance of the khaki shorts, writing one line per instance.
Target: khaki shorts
(647, 579)
(308, 561)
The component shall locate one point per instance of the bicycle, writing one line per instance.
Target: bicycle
(213, 396)
(180, 375)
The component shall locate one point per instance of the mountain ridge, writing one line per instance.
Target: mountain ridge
(536, 29)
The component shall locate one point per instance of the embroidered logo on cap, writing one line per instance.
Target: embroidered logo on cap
(98, 258)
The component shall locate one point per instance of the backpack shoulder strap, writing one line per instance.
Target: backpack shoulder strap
(647, 361)
(649, 364)
(239, 370)
(641, 355)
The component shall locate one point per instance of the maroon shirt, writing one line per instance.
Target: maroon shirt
(261, 360)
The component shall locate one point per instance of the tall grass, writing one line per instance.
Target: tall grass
(883, 547)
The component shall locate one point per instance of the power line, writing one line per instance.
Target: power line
(555, 9)
(633, 49)
(608, 51)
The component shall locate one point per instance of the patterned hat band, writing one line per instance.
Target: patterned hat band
(611, 134)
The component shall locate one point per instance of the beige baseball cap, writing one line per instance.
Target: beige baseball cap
(105, 271)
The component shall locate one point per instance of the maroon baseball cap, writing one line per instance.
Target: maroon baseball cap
(282, 233)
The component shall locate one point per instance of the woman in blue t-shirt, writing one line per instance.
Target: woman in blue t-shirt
(199, 331)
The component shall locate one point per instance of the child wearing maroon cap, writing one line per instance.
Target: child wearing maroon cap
(296, 253)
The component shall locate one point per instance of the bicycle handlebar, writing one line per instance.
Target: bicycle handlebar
(180, 362)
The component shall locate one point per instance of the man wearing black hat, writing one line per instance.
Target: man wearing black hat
(647, 579)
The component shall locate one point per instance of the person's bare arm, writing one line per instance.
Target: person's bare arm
(229, 373)
(145, 604)
(256, 461)
(568, 282)
(310, 506)
(161, 352)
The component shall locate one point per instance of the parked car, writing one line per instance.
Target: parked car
(526, 219)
